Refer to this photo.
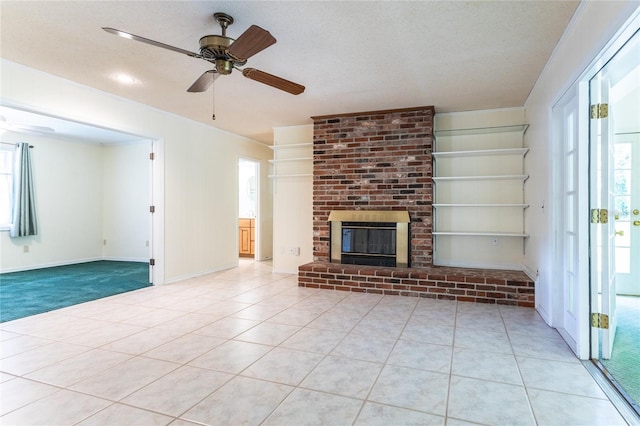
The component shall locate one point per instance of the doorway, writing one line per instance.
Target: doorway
(614, 233)
(248, 223)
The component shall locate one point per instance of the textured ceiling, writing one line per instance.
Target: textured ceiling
(351, 55)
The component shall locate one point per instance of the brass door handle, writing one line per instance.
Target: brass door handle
(621, 233)
(636, 223)
(636, 211)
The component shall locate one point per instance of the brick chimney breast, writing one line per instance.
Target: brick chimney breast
(379, 160)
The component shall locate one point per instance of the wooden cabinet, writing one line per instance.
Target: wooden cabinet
(246, 237)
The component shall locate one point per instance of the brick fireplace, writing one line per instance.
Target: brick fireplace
(381, 161)
(374, 161)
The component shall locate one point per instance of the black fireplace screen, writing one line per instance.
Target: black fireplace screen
(370, 237)
(369, 243)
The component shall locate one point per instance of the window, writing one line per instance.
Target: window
(6, 184)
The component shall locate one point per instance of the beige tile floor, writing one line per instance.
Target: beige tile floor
(247, 346)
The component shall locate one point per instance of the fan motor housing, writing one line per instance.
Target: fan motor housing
(213, 48)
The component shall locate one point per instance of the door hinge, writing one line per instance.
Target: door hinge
(152, 209)
(600, 111)
(152, 261)
(599, 216)
(152, 156)
(600, 321)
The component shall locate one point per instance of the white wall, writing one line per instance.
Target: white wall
(68, 186)
(591, 28)
(195, 171)
(292, 199)
(126, 200)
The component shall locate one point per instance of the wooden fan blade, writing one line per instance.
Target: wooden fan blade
(151, 42)
(203, 82)
(250, 42)
(273, 81)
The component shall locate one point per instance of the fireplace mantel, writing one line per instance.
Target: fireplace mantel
(387, 216)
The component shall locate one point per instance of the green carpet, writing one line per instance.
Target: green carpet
(624, 364)
(28, 293)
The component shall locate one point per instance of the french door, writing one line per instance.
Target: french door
(614, 194)
(627, 213)
(602, 207)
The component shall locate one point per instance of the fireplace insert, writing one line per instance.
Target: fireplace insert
(369, 243)
(375, 238)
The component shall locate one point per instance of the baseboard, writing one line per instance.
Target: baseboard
(127, 259)
(530, 272)
(66, 263)
(285, 271)
(544, 315)
(573, 345)
(199, 274)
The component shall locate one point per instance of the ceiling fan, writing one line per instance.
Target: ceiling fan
(226, 54)
(22, 128)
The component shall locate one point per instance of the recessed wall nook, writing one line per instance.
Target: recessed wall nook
(371, 162)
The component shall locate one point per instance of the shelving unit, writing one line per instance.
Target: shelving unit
(484, 234)
(524, 206)
(290, 145)
(481, 153)
(475, 178)
(292, 160)
(478, 193)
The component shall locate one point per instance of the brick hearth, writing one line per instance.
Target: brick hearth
(381, 160)
(462, 284)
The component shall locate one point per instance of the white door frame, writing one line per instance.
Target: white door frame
(157, 217)
(582, 342)
(258, 213)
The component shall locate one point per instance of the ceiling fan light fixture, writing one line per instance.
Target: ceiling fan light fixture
(224, 66)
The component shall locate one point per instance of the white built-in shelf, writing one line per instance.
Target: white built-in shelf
(475, 178)
(522, 206)
(504, 153)
(290, 145)
(289, 176)
(285, 160)
(481, 234)
(520, 128)
(482, 152)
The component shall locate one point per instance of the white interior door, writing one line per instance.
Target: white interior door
(567, 247)
(602, 205)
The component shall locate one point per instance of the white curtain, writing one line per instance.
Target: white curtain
(23, 213)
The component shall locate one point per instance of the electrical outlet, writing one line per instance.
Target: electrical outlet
(104, 242)
(294, 251)
(25, 249)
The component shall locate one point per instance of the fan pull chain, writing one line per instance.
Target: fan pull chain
(213, 100)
